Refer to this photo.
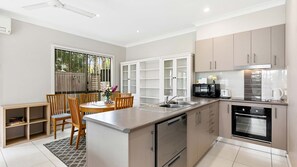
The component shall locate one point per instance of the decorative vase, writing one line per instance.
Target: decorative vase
(108, 101)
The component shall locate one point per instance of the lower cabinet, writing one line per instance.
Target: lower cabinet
(279, 127)
(202, 131)
(225, 121)
(141, 145)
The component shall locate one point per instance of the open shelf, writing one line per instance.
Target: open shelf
(37, 135)
(16, 140)
(149, 97)
(37, 120)
(16, 125)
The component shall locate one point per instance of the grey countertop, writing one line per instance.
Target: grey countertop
(127, 120)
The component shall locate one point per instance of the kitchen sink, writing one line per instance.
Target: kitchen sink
(178, 104)
(171, 105)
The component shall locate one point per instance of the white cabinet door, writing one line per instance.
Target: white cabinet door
(204, 55)
(225, 120)
(242, 49)
(278, 46)
(279, 127)
(223, 53)
(125, 79)
(177, 76)
(141, 147)
(261, 46)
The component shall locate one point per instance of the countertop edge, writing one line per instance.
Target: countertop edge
(129, 130)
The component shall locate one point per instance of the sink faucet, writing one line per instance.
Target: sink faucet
(168, 101)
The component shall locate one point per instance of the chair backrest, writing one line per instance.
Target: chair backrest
(57, 103)
(89, 97)
(114, 95)
(123, 102)
(74, 111)
(125, 94)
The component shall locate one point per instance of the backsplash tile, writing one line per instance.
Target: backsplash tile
(234, 80)
(272, 79)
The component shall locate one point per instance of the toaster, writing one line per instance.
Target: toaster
(225, 93)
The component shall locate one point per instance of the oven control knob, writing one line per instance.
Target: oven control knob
(257, 111)
(243, 109)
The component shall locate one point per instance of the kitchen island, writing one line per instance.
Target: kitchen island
(126, 138)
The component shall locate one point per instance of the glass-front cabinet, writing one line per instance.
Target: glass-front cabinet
(177, 77)
(129, 78)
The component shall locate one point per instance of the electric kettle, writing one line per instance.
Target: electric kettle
(277, 94)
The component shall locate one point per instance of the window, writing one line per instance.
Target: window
(80, 72)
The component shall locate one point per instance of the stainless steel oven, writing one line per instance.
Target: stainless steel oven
(171, 139)
(251, 122)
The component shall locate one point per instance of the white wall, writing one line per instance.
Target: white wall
(25, 62)
(291, 52)
(179, 44)
(261, 19)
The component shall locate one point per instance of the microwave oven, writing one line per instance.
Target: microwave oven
(206, 90)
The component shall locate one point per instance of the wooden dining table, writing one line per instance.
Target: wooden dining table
(96, 107)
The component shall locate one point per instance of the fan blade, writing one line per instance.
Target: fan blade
(78, 11)
(37, 6)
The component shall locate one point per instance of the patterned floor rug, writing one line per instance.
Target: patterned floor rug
(67, 153)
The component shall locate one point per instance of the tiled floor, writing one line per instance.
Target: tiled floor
(32, 154)
(224, 154)
(240, 154)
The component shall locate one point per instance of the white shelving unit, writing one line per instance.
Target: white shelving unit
(149, 81)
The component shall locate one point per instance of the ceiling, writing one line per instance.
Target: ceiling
(120, 19)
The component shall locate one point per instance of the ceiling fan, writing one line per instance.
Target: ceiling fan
(59, 4)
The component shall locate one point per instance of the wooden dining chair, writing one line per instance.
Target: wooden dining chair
(88, 97)
(123, 102)
(125, 94)
(114, 95)
(58, 111)
(77, 121)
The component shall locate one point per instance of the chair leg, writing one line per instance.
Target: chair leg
(55, 128)
(63, 125)
(78, 137)
(71, 135)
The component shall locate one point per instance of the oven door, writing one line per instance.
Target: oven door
(251, 126)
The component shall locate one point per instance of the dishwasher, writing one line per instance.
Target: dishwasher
(171, 140)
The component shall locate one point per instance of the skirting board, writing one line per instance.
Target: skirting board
(288, 159)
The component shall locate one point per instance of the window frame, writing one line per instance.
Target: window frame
(54, 46)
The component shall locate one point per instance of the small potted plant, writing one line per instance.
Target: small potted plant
(107, 92)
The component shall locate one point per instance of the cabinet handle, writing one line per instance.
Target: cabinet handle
(200, 117)
(210, 65)
(248, 58)
(228, 108)
(153, 141)
(275, 113)
(254, 57)
(215, 64)
(174, 160)
(275, 60)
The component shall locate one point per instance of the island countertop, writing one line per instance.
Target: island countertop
(129, 119)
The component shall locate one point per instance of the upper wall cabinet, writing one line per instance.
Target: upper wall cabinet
(214, 54)
(242, 49)
(204, 55)
(261, 46)
(278, 46)
(264, 46)
(223, 53)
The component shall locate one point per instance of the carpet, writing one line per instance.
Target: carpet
(67, 153)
